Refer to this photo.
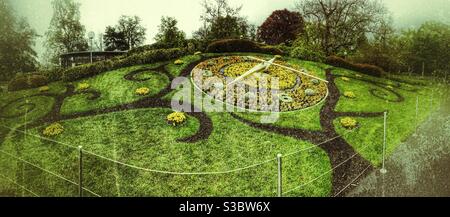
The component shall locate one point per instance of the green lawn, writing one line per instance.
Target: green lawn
(142, 138)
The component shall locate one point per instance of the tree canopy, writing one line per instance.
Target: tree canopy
(281, 26)
(66, 33)
(17, 39)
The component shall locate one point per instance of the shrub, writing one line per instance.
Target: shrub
(345, 79)
(176, 118)
(363, 68)
(178, 62)
(44, 89)
(349, 94)
(349, 123)
(53, 130)
(307, 54)
(142, 91)
(27, 81)
(83, 86)
(241, 45)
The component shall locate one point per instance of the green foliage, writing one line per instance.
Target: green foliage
(147, 57)
(430, 45)
(306, 51)
(115, 39)
(363, 68)
(27, 81)
(16, 44)
(66, 33)
(282, 26)
(169, 34)
(241, 45)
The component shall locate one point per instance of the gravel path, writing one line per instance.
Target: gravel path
(420, 167)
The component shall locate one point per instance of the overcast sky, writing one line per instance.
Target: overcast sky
(97, 14)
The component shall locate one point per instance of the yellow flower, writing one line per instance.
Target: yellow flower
(345, 79)
(349, 94)
(178, 62)
(53, 130)
(390, 87)
(83, 86)
(176, 118)
(142, 91)
(349, 123)
(44, 89)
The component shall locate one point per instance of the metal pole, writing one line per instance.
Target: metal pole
(80, 171)
(383, 169)
(431, 101)
(280, 182)
(417, 113)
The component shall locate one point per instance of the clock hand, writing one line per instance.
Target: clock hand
(262, 66)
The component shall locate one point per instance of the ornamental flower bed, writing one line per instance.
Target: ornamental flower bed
(176, 118)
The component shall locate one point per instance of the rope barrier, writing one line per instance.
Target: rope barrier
(147, 169)
(320, 176)
(354, 180)
(21, 186)
(48, 171)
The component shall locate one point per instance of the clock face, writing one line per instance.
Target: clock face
(256, 85)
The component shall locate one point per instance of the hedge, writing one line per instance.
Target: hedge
(146, 57)
(241, 45)
(27, 81)
(362, 68)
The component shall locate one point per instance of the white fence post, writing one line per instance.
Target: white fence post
(280, 181)
(80, 171)
(383, 169)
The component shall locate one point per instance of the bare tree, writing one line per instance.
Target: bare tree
(340, 24)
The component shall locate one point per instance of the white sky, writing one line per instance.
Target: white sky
(97, 14)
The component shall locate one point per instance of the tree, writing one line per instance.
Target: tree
(220, 21)
(114, 40)
(66, 33)
(340, 24)
(169, 34)
(17, 39)
(430, 48)
(132, 30)
(280, 27)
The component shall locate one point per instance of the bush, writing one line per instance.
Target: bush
(83, 86)
(142, 91)
(307, 54)
(44, 89)
(349, 94)
(27, 81)
(53, 130)
(147, 57)
(363, 68)
(176, 118)
(349, 123)
(241, 45)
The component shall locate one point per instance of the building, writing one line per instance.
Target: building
(79, 58)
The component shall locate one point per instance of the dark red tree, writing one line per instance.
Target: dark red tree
(281, 26)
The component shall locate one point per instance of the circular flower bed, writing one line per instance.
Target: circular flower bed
(292, 89)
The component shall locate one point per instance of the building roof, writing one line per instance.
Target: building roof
(95, 53)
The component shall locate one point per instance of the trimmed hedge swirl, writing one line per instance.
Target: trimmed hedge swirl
(363, 68)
